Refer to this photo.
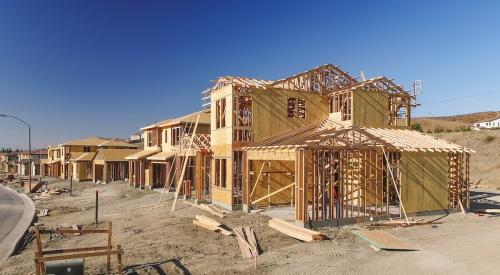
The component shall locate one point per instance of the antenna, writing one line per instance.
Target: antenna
(362, 76)
(417, 90)
(417, 87)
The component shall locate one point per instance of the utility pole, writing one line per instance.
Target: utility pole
(29, 144)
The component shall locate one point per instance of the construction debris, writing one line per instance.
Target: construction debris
(487, 211)
(55, 235)
(211, 224)
(403, 223)
(247, 242)
(76, 227)
(296, 232)
(383, 240)
(217, 213)
(48, 193)
(44, 212)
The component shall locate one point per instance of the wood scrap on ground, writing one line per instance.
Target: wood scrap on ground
(211, 224)
(44, 212)
(76, 227)
(296, 232)
(383, 240)
(487, 211)
(403, 223)
(206, 208)
(247, 242)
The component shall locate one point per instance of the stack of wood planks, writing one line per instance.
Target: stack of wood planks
(211, 224)
(247, 241)
(296, 232)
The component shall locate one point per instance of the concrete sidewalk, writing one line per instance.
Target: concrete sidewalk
(10, 241)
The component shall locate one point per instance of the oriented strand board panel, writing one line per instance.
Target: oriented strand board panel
(384, 240)
(270, 113)
(275, 180)
(222, 197)
(424, 181)
(370, 109)
(278, 154)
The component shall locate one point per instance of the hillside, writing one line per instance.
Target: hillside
(453, 122)
(485, 164)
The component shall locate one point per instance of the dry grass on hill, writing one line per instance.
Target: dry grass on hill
(453, 122)
(485, 164)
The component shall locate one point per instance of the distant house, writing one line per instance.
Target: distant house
(37, 157)
(74, 158)
(488, 124)
(136, 137)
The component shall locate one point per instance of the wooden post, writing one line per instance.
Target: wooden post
(38, 253)
(119, 257)
(246, 181)
(198, 181)
(96, 207)
(110, 232)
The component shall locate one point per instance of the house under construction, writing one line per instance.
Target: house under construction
(320, 147)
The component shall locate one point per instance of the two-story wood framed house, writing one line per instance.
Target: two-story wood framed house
(159, 164)
(361, 161)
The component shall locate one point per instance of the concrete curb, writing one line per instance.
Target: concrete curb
(15, 236)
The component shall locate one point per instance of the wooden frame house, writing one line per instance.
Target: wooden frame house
(74, 158)
(110, 165)
(160, 163)
(328, 148)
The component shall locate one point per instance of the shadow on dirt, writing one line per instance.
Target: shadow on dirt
(172, 266)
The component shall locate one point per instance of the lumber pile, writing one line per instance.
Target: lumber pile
(247, 242)
(212, 210)
(211, 224)
(296, 232)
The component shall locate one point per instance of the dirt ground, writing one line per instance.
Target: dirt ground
(462, 244)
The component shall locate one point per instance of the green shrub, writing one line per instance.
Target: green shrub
(463, 129)
(417, 127)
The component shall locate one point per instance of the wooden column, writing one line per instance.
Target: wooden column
(168, 166)
(246, 182)
(198, 179)
(301, 185)
(105, 172)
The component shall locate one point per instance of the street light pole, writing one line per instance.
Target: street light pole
(29, 143)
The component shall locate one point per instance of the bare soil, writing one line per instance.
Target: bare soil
(153, 235)
(485, 163)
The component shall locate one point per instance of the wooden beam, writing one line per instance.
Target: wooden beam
(185, 164)
(273, 193)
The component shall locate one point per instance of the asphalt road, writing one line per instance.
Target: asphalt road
(11, 211)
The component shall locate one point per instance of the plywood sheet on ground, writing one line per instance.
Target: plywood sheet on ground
(383, 240)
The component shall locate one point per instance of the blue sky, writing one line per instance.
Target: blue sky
(81, 68)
